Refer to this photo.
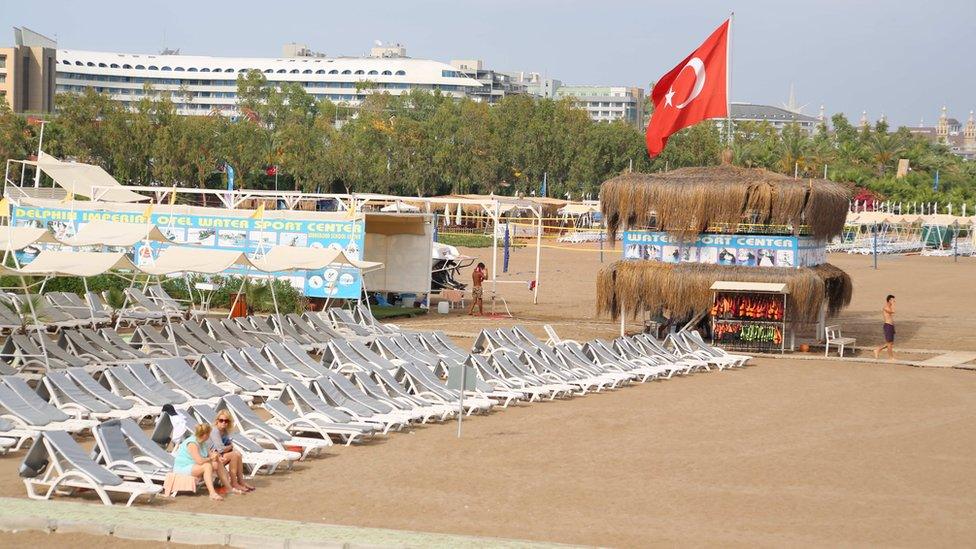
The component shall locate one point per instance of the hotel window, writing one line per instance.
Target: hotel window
(360, 71)
(140, 67)
(401, 73)
(372, 72)
(387, 73)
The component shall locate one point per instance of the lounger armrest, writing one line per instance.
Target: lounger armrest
(259, 436)
(122, 465)
(151, 461)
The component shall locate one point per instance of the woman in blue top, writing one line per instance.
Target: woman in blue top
(191, 459)
(230, 457)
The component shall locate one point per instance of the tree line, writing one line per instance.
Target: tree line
(423, 143)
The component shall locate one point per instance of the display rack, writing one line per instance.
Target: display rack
(749, 316)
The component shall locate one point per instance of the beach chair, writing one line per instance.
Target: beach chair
(306, 403)
(62, 301)
(260, 431)
(21, 352)
(188, 342)
(151, 342)
(324, 326)
(382, 406)
(364, 316)
(242, 363)
(122, 382)
(221, 373)
(168, 303)
(63, 420)
(10, 320)
(122, 346)
(120, 351)
(487, 374)
(285, 417)
(10, 438)
(297, 365)
(358, 412)
(146, 303)
(137, 408)
(58, 388)
(614, 375)
(56, 463)
(510, 366)
(261, 363)
(694, 340)
(206, 338)
(114, 451)
(220, 332)
(289, 332)
(320, 338)
(834, 336)
(176, 374)
(45, 314)
(343, 321)
(682, 348)
(77, 345)
(376, 386)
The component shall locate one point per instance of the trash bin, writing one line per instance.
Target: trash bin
(238, 307)
(444, 307)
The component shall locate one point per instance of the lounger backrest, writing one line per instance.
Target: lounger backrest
(143, 444)
(156, 395)
(278, 353)
(306, 400)
(24, 391)
(141, 372)
(16, 406)
(67, 452)
(59, 381)
(111, 442)
(259, 361)
(177, 370)
(245, 416)
(219, 364)
(196, 331)
(280, 409)
(350, 390)
(332, 394)
(86, 382)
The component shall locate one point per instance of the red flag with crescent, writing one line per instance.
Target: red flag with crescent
(694, 90)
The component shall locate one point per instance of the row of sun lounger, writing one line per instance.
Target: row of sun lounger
(326, 377)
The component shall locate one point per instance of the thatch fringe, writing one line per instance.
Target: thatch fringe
(684, 288)
(688, 201)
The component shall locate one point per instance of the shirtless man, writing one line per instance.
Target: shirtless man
(477, 292)
(889, 328)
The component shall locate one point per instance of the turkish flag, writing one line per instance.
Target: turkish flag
(271, 170)
(692, 91)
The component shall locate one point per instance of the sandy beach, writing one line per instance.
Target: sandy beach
(800, 452)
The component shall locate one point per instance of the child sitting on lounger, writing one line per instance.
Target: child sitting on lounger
(230, 457)
(191, 460)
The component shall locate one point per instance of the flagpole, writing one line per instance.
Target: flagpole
(728, 84)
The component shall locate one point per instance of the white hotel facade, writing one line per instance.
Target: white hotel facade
(201, 84)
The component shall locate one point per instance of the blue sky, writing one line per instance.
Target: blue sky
(905, 59)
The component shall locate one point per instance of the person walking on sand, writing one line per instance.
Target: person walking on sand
(889, 328)
(477, 292)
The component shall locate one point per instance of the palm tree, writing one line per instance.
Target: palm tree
(885, 148)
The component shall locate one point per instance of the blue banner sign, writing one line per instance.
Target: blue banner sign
(750, 250)
(251, 236)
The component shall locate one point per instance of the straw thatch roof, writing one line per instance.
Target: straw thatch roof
(689, 200)
(684, 288)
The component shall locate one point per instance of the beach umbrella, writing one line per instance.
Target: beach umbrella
(508, 243)
(458, 220)
(447, 215)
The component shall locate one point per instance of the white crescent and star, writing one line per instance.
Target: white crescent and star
(698, 66)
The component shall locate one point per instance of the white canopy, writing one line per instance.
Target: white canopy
(17, 238)
(177, 259)
(68, 263)
(86, 180)
(111, 233)
(578, 209)
(942, 219)
(288, 258)
(400, 207)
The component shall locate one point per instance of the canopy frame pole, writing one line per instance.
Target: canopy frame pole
(538, 255)
(36, 321)
(623, 321)
(91, 308)
(125, 301)
(274, 300)
(494, 255)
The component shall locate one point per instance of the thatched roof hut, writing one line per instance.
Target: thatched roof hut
(688, 201)
(684, 288)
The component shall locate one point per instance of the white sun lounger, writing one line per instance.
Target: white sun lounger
(56, 463)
